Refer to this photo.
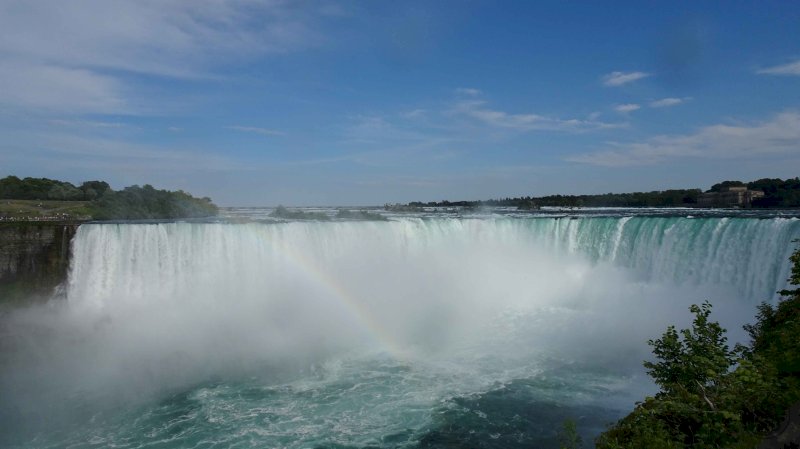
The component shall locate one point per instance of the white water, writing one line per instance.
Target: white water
(466, 304)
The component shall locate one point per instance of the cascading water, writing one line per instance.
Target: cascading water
(408, 333)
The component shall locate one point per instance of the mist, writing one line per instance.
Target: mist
(150, 310)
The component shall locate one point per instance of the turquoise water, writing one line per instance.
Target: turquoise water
(377, 404)
(418, 332)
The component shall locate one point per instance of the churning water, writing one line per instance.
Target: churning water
(416, 332)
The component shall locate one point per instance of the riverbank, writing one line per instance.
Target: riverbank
(44, 210)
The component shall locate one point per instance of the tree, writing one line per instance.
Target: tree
(719, 187)
(693, 359)
(146, 202)
(568, 436)
(714, 397)
(93, 190)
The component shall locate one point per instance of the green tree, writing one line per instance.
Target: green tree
(146, 202)
(719, 187)
(568, 436)
(93, 190)
(694, 358)
(714, 397)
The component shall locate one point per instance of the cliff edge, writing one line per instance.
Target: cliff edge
(34, 259)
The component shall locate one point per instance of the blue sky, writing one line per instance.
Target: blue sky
(362, 103)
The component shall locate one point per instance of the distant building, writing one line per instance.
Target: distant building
(729, 197)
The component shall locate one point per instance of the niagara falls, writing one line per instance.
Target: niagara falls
(417, 224)
(421, 330)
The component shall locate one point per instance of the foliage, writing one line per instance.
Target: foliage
(13, 188)
(146, 202)
(721, 186)
(130, 203)
(568, 437)
(714, 397)
(666, 198)
(777, 192)
(700, 355)
(93, 190)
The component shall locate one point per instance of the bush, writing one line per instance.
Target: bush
(714, 397)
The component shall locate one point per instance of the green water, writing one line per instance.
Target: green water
(416, 332)
(354, 404)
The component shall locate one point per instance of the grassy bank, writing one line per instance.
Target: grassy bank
(44, 210)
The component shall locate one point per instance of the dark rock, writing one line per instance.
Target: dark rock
(34, 259)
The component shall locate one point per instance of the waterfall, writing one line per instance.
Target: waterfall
(150, 261)
(306, 333)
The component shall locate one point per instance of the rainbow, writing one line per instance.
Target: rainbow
(347, 299)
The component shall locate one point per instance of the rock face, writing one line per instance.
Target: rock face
(34, 259)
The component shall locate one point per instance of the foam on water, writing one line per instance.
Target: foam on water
(367, 333)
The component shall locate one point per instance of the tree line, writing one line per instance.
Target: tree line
(131, 203)
(14, 188)
(778, 193)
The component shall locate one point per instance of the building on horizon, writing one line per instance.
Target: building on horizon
(733, 196)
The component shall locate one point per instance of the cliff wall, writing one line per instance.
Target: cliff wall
(34, 259)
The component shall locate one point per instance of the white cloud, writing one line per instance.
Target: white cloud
(79, 55)
(476, 109)
(121, 157)
(169, 37)
(384, 141)
(88, 123)
(468, 91)
(667, 102)
(626, 108)
(614, 79)
(257, 130)
(792, 69)
(777, 136)
(414, 114)
(59, 89)
(381, 132)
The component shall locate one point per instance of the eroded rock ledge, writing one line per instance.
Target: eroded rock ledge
(34, 259)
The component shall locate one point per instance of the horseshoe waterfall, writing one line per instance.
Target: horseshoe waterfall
(413, 332)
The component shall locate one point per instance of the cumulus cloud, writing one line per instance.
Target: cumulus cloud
(626, 108)
(790, 69)
(615, 79)
(779, 135)
(667, 102)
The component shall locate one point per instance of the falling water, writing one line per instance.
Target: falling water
(408, 333)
